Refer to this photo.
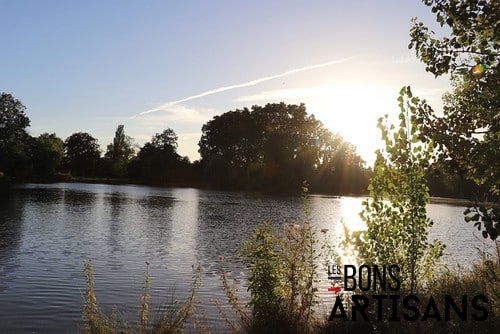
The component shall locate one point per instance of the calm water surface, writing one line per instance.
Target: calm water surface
(48, 231)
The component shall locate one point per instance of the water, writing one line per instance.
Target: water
(48, 231)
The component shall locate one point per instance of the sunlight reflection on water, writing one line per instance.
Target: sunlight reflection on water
(48, 231)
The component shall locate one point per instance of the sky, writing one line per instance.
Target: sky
(150, 65)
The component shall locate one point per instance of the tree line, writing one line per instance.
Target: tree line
(271, 148)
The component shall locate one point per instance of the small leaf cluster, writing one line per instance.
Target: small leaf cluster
(474, 38)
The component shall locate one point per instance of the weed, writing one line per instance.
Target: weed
(172, 320)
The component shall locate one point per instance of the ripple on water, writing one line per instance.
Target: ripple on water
(52, 229)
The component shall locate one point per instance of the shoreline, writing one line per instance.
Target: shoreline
(125, 181)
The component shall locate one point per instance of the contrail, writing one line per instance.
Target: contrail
(245, 84)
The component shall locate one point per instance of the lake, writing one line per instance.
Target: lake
(47, 232)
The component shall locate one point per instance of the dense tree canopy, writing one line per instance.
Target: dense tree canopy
(158, 161)
(468, 132)
(47, 152)
(275, 148)
(81, 154)
(13, 135)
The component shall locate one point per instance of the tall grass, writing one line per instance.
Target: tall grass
(171, 320)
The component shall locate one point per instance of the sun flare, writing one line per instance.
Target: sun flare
(352, 110)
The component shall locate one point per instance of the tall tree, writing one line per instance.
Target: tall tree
(13, 135)
(81, 154)
(119, 152)
(468, 132)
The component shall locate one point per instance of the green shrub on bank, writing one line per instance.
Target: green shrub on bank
(395, 214)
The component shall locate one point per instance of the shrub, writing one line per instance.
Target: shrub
(283, 273)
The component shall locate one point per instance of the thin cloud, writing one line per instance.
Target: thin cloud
(167, 105)
(280, 94)
(178, 112)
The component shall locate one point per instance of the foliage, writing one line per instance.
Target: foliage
(158, 161)
(274, 148)
(475, 35)
(283, 274)
(397, 225)
(13, 136)
(119, 152)
(47, 152)
(468, 133)
(81, 153)
(481, 279)
(444, 182)
(266, 272)
(339, 168)
(166, 141)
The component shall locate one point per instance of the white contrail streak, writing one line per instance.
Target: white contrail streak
(166, 105)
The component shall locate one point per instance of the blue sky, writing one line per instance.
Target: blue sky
(151, 65)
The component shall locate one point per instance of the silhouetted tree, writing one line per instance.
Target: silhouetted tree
(274, 148)
(81, 154)
(157, 161)
(47, 152)
(119, 153)
(14, 139)
(341, 169)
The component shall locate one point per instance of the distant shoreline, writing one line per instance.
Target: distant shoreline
(451, 201)
(115, 181)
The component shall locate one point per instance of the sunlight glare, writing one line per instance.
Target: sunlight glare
(352, 110)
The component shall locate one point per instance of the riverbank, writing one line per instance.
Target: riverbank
(5, 182)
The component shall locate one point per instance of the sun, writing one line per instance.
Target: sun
(352, 110)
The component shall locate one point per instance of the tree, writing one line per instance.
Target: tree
(230, 150)
(274, 148)
(13, 135)
(339, 168)
(81, 154)
(157, 161)
(165, 141)
(47, 152)
(468, 133)
(119, 152)
(395, 214)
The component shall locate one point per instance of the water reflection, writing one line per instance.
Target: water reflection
(10, 235)
(184, 226)
(117, 204)
(47, 231)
